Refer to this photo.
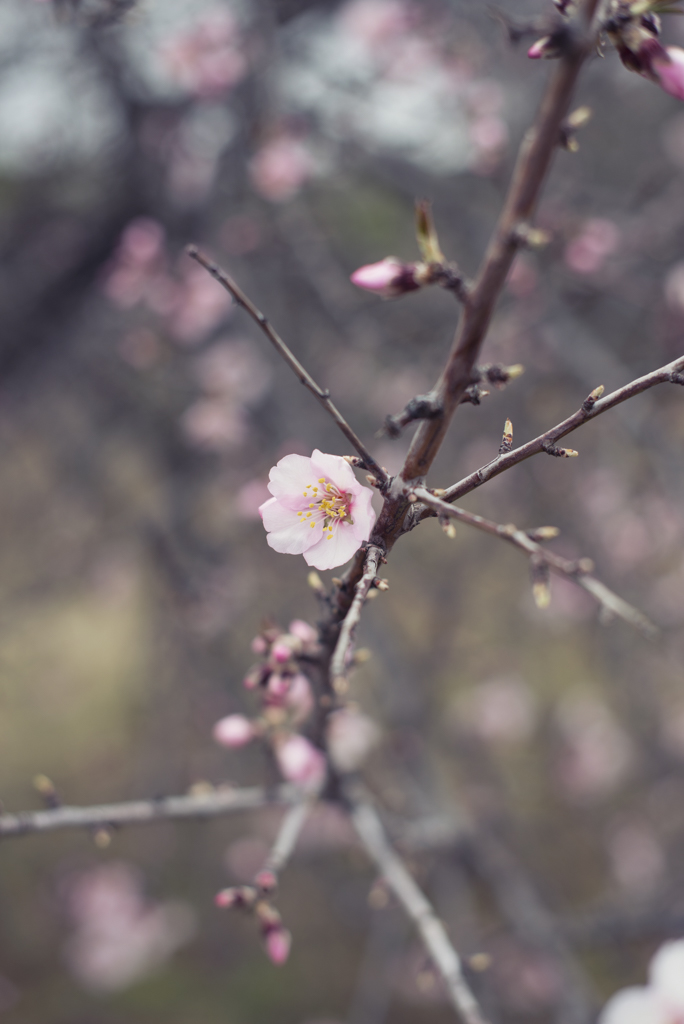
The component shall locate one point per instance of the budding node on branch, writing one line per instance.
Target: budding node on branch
(591, 399)
(340, 684)
(102, 838)
(362, 655)
(531, 238)
(541, 591)
(480, 962)
(559, 453)
(568, 130)
(47, 790)
(448, 527)
(507, 439)
(585, 565)
(380, 584)
(543, 533)
(315, 582)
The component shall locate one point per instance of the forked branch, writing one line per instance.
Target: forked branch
(671, 373)
(578, 572)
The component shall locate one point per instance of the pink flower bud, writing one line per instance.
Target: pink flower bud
(301, 762)
(278, 942)
(259, 645)
(266, 880)
(281, 650)
(542, 48)
(303, 631)
(227, 898)
(233, 731)
(253, 678)
(278, 686)
(299, 700)
(670, 74)
(387, 278)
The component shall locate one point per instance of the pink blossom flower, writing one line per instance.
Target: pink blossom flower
(278, 941)
(300, 762)
(318, 509)
(388, 278)
(659, 1002)
(233, 731)
(669, 71)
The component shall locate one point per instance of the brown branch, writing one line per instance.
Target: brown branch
(432, 932)
(211, 804)
(352, 617)
(573, 570)
(323, 396)
(533, 163)
(668, 374)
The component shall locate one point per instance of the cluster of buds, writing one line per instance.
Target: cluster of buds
(633, 27)
(287, 701)
(253, 898)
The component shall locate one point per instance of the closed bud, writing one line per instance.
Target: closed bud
(544, 48)
(46, 788)
(381, 584)
(507, 439)
(233, 731)
(266, 880)
(300, 762)
(426, 234)
(542, 594)
(372, 480)
(388, 278)
(569, 453)
(449, 529)
(278, 942)
(315, 582)
(514, 371)
(102, 837)
(543, 533)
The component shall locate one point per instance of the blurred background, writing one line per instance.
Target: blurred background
(140, 413)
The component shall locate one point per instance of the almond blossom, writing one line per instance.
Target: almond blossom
(659, 1002)
(318, 509)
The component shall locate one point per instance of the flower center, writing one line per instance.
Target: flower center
(328, 505)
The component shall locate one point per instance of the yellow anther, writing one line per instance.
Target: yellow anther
(321, 479)
(312, 525)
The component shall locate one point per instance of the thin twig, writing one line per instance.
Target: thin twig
(351, 619)
(211, 804)
(571, 570)
(664, 375)
(323, 396)
(432, 932)
(288, 834)
(532, 167)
